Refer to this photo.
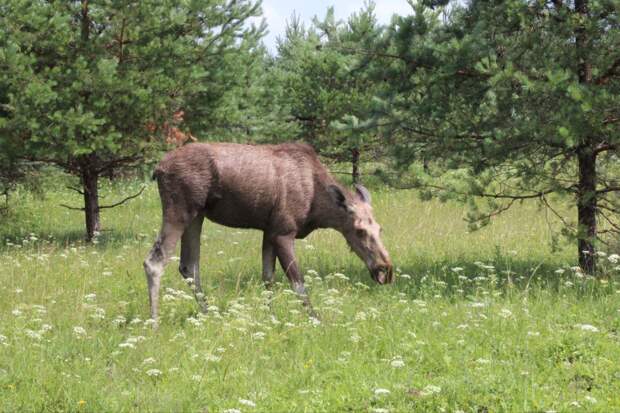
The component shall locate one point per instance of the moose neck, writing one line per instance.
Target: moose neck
(325, 212)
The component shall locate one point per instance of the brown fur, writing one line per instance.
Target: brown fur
(283, 190)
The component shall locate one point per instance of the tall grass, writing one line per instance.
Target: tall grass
(494, 320)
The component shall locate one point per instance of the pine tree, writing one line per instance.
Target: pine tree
(519, 99)
(87, 84)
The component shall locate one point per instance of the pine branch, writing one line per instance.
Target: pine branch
(489, 195)
(560, 217)
(76, 190)
(614, 225)
(608, 189)
(604, 147)
(117, 162)
(611, 72)
(122, 201)
(493, 213)
(72, 208)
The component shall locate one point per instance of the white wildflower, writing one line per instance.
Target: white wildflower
(90, 297)
(614, 258)
(381, 392)
(248, 403)
(149, 360)
(16, 312)
(194, 321)
(259, 335)
(212, 358)
(99, 314)
(587, 327)
(505, 313)
(457, 269)
(341, 276)
(590, 399)
(380, 410)
(477, 305)
(231, 411)
(35, 335)
(430, 390)
(397, 363)
(79, 331)
(153, 372)
(119, 320)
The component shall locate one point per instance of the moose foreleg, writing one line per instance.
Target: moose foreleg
(285, 250)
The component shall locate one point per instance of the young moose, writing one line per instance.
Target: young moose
(282, 190)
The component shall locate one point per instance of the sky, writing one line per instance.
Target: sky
(276, 12)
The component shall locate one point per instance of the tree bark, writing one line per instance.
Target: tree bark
(355, 162)
(586, 158)
(90, 180)
(586, 211)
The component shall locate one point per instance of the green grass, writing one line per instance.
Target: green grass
(476, 322)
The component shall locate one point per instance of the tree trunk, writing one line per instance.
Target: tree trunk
(586, 157)
(90, 180)
(586, 211)
(355, 163)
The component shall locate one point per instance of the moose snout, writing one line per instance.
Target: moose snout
(383, 274)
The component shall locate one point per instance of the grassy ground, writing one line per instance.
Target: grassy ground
(476, 322)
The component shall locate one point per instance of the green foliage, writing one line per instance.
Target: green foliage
(93, 86)
(520, 96)
(87, 78)
(326, 84)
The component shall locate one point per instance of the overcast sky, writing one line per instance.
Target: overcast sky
(276, 12)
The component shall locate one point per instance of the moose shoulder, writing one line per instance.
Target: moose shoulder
(282, 190)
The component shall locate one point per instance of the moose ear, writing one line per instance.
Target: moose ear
(337, 196)
(363, 193)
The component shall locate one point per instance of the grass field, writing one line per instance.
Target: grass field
(476, 322)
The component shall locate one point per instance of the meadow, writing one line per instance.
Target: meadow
(490, 321)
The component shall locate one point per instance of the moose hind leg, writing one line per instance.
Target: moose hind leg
(157, 259)
(190, 260)
(269, 262)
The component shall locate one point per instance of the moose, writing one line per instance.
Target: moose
(282, 190)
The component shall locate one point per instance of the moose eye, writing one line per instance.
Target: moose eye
(360, 233)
